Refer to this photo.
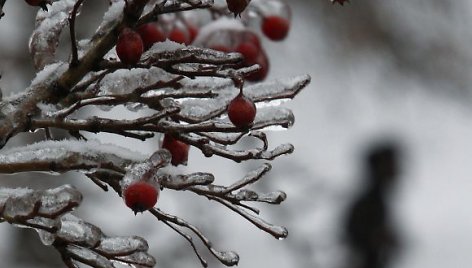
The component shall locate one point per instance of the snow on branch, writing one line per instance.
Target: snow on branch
(45, 38)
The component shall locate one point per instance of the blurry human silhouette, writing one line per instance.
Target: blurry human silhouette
(371, 236)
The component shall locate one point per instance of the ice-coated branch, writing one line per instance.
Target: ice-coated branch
(47, 212)
(190, 62)
(16, 112)
(44, 40)
(37, 209)
(80, 241)
(120, 127)
(228, 258)
(209, 149)
(67, 155)
(173, 6)
(227, 197)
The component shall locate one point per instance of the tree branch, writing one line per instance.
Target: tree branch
(15, 113)
(75, 59)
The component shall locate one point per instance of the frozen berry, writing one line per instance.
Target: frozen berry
(179, 36)
(261, 74)
(237, 6)
(242, 111)
(249, 51)
(275, 27)
(193, 32)
(178, 150)
(129, 46)
(150, 34)
(141, 196)
(252, 38)
(38, 3)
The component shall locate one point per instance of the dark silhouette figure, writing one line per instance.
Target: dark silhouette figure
(370, 234)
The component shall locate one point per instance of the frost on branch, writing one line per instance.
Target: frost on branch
(176, 90)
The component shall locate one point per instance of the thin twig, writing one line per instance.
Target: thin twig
(221, 256)
(190, 240)
(75, 60)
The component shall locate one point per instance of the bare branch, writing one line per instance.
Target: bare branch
(75, 59)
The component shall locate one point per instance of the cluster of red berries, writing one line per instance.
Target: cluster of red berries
(248, 45)
(275, 16)
(131, 44)
(142, 195)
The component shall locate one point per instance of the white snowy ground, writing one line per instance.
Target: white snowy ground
(349, 102)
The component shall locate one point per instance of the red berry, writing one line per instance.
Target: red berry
(178, 150)
(179, 36)
(141, 196)
(242, 111)
(150, 34)
(193, 32)
(252, 38)
(237, 6)
(129, 46)
(260, 75)
(249, 51)
(38, 3)
(275, 27)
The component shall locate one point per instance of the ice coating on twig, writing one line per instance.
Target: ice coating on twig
(121, 244)
(125, 81)
(146, 170)
(59, 156)
(25, 204)
(77, 231)
(88, 256)
(204, 109)
(111, 16)
(49, 73)
(47, 212)
(84, 242)
(45, 38)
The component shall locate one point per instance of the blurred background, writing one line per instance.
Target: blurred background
(381, 70)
